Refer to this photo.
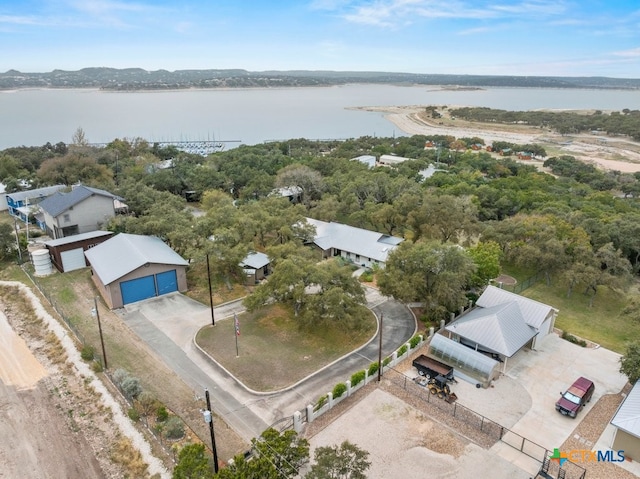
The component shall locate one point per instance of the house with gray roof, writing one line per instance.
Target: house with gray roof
(360, 246)
(626, 422)
(503, 323)
(256, 267)
(23, 204)
(81, 210)
(128, 268)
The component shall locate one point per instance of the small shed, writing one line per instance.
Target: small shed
(67, 254)
(256, 266)
(627, 425)
(128, 268)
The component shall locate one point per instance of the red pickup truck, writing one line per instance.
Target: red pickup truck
(575, 397)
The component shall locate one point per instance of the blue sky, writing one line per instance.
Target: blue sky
(502, 37)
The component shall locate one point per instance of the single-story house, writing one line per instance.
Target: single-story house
(627, 425)
(67, 254)
(429, 171)
(80, 210)
(392, 160)
(256, 266)
(128, 268)
(292, 193)
(22, 204)
(502, 323)
(368, 160)
(362, 247)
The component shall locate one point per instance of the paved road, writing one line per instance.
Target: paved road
(169, 323)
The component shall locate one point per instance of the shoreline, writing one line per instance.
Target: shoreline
(608, 153)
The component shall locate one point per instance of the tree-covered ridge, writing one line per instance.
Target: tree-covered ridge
(625, 122)
(578, 226)
(139, 79)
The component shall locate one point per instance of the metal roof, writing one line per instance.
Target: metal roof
(59, 202)
(533, 312)
(36, 193)
(255, 260)
(78, 237)
(368, 160)
(353, 240)
(125, 252)
(500, 328)
(627, 417)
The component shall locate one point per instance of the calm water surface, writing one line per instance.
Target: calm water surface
(34, 117)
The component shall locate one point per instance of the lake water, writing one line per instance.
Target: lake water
(34, 117)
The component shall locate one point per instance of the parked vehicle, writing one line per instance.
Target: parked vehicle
(430, 368)
(576, 397)
(437, 386)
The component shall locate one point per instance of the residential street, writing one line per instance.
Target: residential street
(169, 323)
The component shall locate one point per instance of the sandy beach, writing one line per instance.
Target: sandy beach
(610, 153)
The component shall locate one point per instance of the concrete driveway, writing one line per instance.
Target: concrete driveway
(523, 399)
(169, 323)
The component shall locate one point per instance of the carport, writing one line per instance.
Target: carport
(129, 268)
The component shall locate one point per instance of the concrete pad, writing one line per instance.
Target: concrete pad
(523, 399)
(403, 442)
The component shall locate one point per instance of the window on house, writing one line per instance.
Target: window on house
(357, 257)
(66, 218)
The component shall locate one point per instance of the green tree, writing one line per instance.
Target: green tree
(192, 463)
(287, 284)
(7, 241)
(75, 167)
(346, 461)
(630, 363)
(275, 456)
(430, 272)
(486, 256)
(444, 217)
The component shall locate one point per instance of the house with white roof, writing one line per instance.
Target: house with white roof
(392, 160)
(626, 422)
(360, 246)
(128, 268)
(502, 323)
(368, 160)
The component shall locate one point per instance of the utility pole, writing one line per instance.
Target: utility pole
(213, 319)
(104, 353)
(208, 418)
(15, 226)
(380, 349)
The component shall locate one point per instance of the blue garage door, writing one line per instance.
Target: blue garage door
(167, 282)
(138, 289)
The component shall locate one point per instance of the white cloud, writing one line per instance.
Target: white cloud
(389, 13)
(632, 53)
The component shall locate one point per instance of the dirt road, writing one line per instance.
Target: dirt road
(36, 440)
(57, 419)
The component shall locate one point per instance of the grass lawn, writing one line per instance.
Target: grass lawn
(603, 323)
(273, 351)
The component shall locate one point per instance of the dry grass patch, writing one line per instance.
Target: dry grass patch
(274, 351)
(125, 454)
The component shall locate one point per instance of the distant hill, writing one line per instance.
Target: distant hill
(139, 79)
